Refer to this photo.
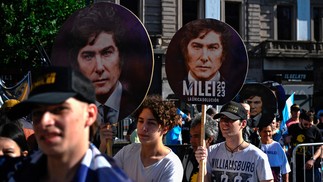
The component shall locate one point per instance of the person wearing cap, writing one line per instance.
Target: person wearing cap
(62, 105)
(295, 113)
(305, 132)
(234, 159)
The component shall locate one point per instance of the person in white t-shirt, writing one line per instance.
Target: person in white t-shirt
(234, 159)
(276, 155)
(151, 160)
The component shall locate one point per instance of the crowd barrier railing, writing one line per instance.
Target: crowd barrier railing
(312, 145)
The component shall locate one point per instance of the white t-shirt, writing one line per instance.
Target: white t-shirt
(249, 164)
(277, 158)
(167, 169)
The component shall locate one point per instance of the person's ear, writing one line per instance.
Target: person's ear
(209, 141)
(243, 123)
(24, 153)
(164, 130)
(92, 111)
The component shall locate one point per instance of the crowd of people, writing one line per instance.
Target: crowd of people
(64, 130)
(49, 137)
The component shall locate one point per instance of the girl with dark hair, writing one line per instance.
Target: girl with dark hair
(13, 142)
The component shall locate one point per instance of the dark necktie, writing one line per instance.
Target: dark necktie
(108, 115)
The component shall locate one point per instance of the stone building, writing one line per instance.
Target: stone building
(283, 39)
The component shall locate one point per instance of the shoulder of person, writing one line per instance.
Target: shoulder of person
(8, 166)
(132, 147)
(256, 150)
(215, 146)
(293, 126)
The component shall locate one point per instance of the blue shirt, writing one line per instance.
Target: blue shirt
(174, 136)
(94, 167)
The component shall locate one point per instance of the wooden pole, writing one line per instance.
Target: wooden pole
(109, 148)
(202, 163)
(110, 141)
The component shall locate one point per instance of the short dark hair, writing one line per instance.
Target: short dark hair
(16, 133)
(308, 116)
(194, 28)
(91, 21)
(261, 127)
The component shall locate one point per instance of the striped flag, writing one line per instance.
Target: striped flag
(286, 112)
(179, 112)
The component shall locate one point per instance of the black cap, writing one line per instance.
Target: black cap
(54, 85)
(232, 110)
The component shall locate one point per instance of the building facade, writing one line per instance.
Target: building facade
(284, 39)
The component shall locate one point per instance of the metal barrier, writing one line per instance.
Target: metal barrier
(294, 159)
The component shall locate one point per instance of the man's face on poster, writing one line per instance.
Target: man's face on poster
(255, 103)
(204, 55)
(99, 60)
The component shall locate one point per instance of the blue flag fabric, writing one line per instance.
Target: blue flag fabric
(286, 112)
(93, 167)
(184, 116)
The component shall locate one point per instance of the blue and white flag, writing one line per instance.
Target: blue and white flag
(286, 113)
(184, 116)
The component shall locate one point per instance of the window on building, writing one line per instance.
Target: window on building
(318, 24)
(233, 15)
(190, 10)
(132, 5)
(153, 17)
(284, 22)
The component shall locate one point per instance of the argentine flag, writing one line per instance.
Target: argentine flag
(286, 113)
(179, 112)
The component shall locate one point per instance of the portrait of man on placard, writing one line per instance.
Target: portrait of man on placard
(262, 102)
(111, 47)
(206, 62)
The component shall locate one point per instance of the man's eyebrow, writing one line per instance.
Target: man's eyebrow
(215, 44)
(108, 48)
(87, 52)
(196, 43)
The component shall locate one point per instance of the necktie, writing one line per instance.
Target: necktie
(111, 115)
(108, 115)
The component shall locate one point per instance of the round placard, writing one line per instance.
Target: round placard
(109, 45)
(262, 101)
(206, 62)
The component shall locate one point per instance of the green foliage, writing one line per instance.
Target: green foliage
(26, 24)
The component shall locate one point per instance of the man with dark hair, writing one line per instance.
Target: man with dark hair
(229, 159)
(190, 164)
(109, 45)
(295, 112)
(62, 105)
(305, 132)
(97, 50)
(204, 46)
